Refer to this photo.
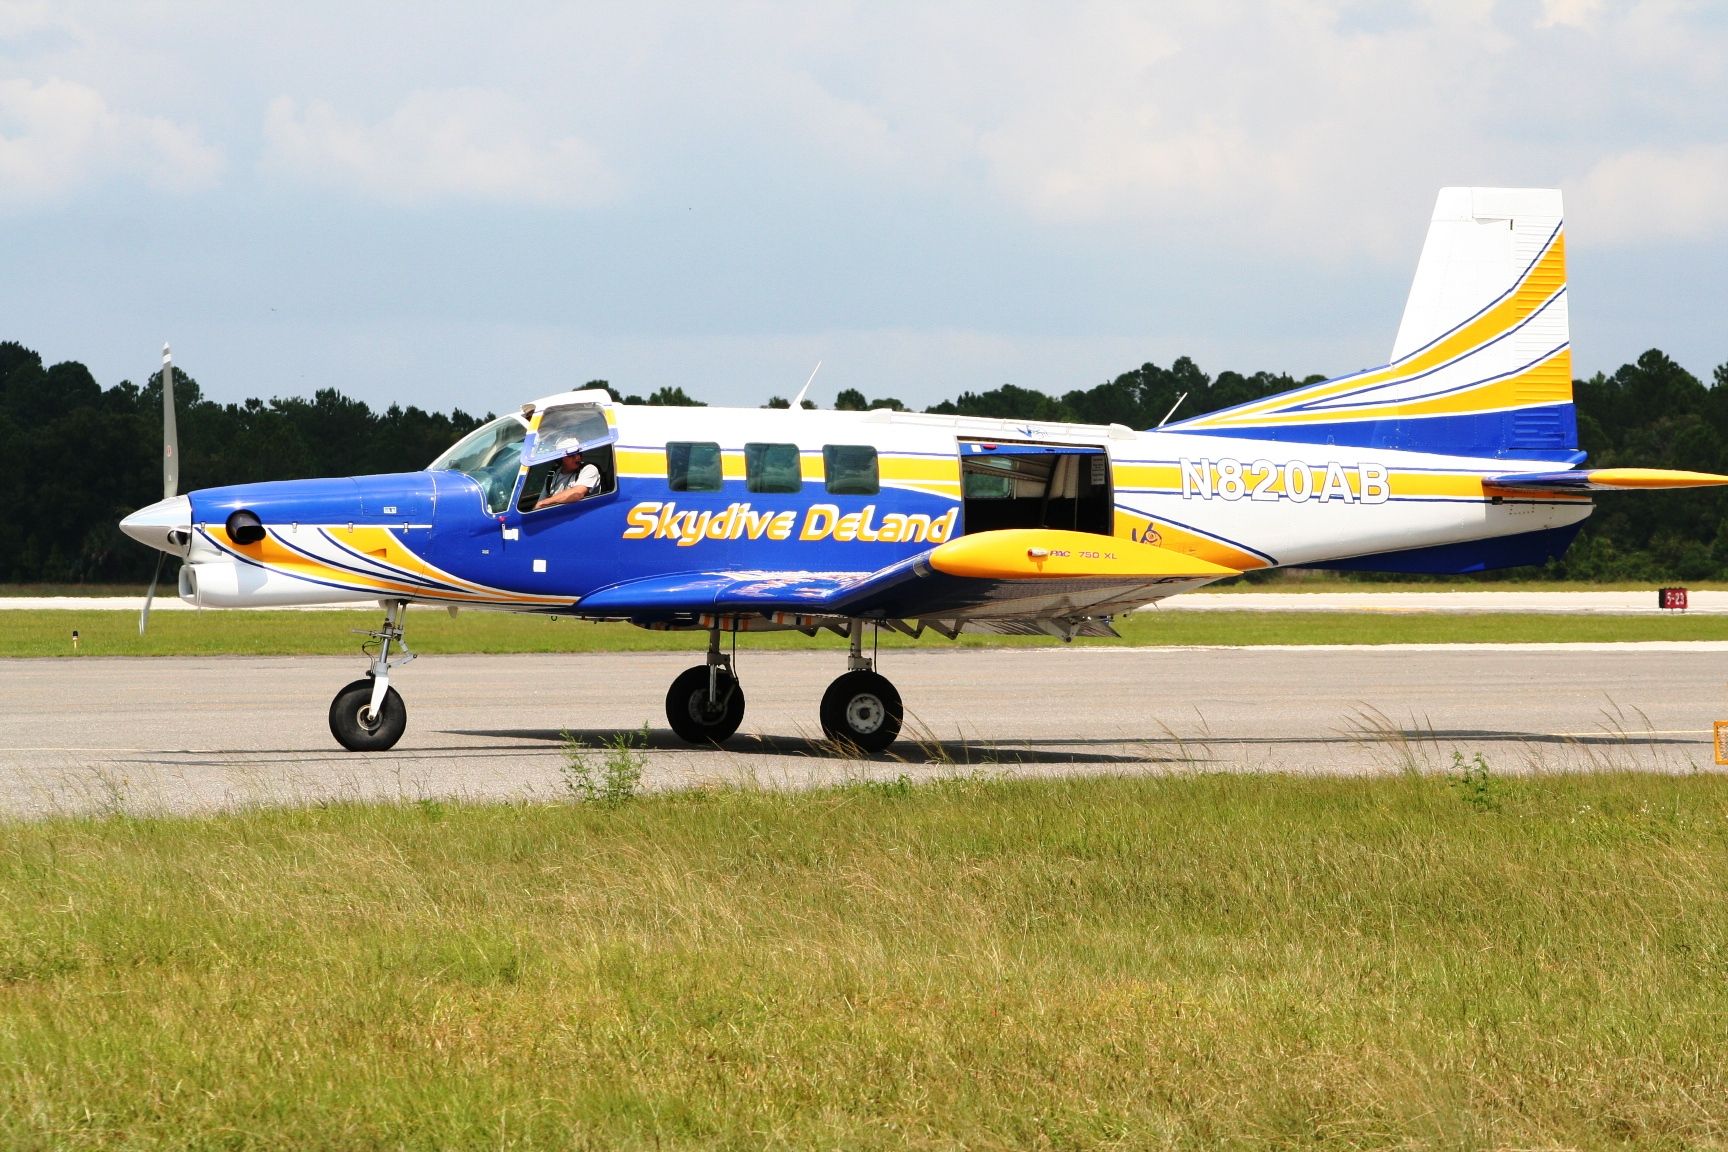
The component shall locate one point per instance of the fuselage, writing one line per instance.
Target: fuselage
(736, 490)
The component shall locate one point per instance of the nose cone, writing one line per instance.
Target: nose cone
(165, 525)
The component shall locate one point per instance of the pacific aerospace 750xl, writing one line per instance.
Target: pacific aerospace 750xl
(1460, 454)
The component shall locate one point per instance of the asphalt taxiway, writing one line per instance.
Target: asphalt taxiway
(195, 734)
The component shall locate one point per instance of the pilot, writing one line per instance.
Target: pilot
(571, 481)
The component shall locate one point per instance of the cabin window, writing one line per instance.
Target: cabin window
(850, 469)
(772, 468)
(693, 466)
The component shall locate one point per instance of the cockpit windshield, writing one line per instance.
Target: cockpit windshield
(492, 455)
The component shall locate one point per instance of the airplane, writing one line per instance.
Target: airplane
(1460, 454)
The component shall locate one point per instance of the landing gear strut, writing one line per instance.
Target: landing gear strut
(368, 715)
(705, 705)
(862, 708)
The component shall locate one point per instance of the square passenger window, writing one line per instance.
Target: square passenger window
(851, 469)
(693, 466)
(772, 468)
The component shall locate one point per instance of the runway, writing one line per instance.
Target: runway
(197, 734)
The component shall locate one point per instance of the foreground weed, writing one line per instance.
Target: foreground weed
(898, 788)
(618, 775)
(1369, 726)
(1478, 786)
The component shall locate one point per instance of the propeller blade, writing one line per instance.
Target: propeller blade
(144, 616)
(170, 471)
(170, 434)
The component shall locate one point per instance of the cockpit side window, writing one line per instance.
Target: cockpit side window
(561, 429)
(534, 489)
(491, 455)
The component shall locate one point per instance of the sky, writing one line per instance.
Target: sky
(467, 205)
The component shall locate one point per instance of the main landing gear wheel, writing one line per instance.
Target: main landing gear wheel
(863, 709)
(697, 718)
(357, 731)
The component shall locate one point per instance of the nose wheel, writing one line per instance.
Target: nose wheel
(368, 715)
(357, 727)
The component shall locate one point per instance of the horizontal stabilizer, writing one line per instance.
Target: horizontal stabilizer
(1603, 480)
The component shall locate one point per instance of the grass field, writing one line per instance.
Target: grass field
(1194, 961)
(262, 633)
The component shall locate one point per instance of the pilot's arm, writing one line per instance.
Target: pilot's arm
(587, 482)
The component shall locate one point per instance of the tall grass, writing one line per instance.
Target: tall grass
(1176, 962)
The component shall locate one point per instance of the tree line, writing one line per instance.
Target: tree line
(78, 456)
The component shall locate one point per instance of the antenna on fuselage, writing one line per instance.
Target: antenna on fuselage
(798, 400)
(1173, 408)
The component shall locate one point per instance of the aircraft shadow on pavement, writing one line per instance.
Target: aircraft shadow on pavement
(1164, 749)
(962, 753)
(1174, 748)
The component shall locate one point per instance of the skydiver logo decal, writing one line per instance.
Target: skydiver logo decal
(654, 520)
(1295, 480)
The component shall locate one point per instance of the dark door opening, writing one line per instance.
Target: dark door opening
(1014, 485)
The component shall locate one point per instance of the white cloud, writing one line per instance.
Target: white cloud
(21, 17)
(462, 143)
(1655, 194)
(1569, 13)
(58, 135)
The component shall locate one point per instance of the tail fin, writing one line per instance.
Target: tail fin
(1482, 365)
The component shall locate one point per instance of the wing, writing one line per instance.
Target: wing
(991, 579)
(1602, 480)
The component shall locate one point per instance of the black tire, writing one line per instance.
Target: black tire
(348, 718)
(689, 712)
(862, 709)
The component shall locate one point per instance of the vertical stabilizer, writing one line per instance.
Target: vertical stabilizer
(1482, 364)
(1480, 241)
